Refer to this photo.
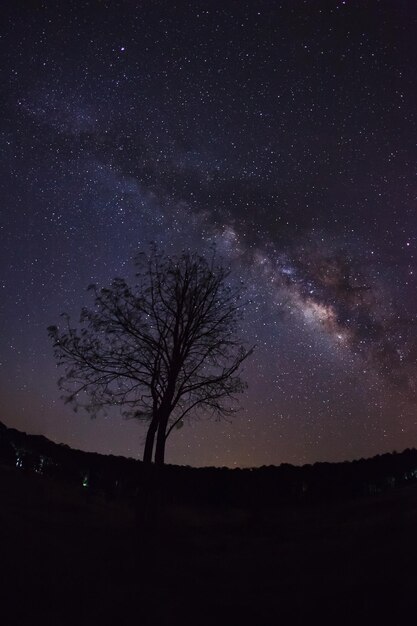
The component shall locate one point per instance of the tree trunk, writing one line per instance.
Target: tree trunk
(146, 502)
(149, 443)
(160, 441)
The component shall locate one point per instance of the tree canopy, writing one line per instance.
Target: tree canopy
(161, 350)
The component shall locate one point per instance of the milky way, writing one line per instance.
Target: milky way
(284, 133)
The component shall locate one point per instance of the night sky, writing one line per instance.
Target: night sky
(283, 132)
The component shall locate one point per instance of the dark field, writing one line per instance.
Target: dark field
(72, 557)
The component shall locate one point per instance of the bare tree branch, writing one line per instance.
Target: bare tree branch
(159, 350)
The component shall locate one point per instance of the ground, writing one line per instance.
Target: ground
(69, 556)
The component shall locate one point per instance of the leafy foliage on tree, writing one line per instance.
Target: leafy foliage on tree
(161, 350)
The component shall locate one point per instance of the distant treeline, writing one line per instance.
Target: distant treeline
(264, 486)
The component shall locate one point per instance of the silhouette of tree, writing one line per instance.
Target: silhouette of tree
(161, 350)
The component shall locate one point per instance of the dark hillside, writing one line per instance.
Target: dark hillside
(264, 486)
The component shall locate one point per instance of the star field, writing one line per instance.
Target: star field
(283, 132)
